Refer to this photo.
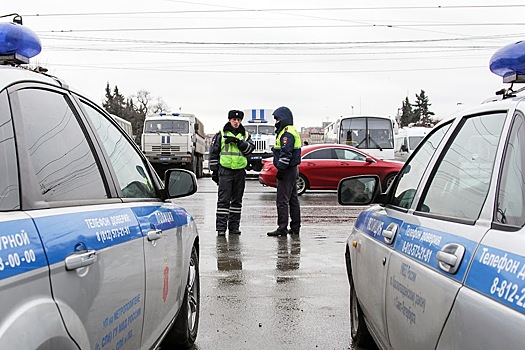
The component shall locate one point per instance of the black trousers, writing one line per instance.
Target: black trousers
(287, 201)
(229, 201)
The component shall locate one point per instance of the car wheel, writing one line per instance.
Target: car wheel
(184, 331)
(302, 184)
(388, 181)
(358, 330)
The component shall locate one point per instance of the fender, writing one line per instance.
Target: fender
(48, 333)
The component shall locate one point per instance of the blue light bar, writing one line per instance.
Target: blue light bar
(19, 42)
(255, 113)
(509, 62)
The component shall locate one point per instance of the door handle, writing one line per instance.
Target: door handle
(153, 235)
(450, 256)
(81, 259)
(389, 232)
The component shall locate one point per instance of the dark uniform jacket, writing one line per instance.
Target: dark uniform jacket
(287, 140)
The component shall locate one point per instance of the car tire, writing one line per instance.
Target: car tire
(184, 331)
(358, 329)
(389, 179)
(302, 184)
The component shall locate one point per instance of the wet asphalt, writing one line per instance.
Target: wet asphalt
(260, 292)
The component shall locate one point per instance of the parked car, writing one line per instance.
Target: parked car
(324, 165)
(94, 253)
(439, 261)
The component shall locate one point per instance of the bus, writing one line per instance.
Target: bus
(372, 134)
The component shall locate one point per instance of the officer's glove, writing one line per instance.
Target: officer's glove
(230, 139)
(215, 177)
(280, 174)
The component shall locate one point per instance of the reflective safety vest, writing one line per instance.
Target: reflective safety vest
(291, 129)
(231, 157)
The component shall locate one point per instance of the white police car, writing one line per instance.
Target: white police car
(439, 262)
(92, 255)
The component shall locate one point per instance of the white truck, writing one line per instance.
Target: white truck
(407, 139)
(174, 140)
(259, 123)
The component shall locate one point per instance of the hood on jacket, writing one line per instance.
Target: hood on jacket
(285, 116)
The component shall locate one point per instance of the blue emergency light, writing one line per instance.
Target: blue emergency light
(18, 43)
(509, 63)
(257, 113)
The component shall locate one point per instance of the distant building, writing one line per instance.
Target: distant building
(312, 134)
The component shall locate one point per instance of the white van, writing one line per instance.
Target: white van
(406, 141)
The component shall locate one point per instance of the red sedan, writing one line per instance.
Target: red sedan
(324, 165)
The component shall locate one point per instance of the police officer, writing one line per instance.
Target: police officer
(286, 158)
(227, 161)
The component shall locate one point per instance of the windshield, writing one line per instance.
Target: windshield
(167, 126)
(260, 129)
(367, 133)
(252, 129)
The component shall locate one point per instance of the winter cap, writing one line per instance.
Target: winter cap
(235, 114)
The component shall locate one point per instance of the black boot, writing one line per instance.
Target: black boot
(277, 232)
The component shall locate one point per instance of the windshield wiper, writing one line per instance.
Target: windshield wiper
(375, 143)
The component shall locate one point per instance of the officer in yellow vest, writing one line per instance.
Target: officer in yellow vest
(227, 161)
(286, 158)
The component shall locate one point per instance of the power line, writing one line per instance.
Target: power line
(296, 43)
(397, 8)
(499, 24)
(142, 68)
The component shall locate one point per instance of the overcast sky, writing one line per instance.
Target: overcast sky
(322, 59)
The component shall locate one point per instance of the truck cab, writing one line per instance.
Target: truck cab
(263, 136)
(174, 140)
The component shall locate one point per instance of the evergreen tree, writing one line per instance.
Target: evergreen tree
(406, 113)
(114, 102)
(119, 104)
(108, 99)
(422, 114)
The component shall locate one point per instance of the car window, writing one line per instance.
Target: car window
(347, 154)
(60, 155)
(511, 192)
(133, 178)
(320, 154)
(461, 182)
(410, 176)
(9, 198)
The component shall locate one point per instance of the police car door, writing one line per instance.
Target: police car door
(493, 302)
(440, 231)
(162, 224)
(24, 274)
(93, 243)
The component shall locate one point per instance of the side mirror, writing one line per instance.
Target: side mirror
(369, 160)
(180, 183)
(404, 148)
(358, 190)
